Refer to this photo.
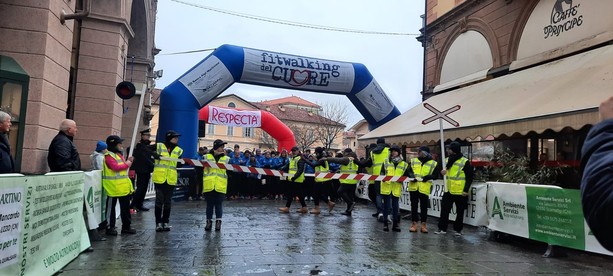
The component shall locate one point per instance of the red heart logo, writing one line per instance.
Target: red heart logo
(300, 77)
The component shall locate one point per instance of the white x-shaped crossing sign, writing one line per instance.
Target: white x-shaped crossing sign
(441, 115)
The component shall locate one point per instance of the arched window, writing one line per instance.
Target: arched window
(232, 105)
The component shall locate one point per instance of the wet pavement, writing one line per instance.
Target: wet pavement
(256, 239)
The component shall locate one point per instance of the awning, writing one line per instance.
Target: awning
(555, 95)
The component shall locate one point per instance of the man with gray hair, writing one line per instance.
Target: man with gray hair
(7, 164)
(63, 155)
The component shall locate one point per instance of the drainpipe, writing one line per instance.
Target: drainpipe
(78, 15)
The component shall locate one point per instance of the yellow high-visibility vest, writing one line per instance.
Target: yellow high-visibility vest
(293, 168)
(350, 168)
(215, 179)
(322, 169)
(164, 170)
(380, 161)
(393, 187)
(420, 170)
(456, 178)
(116, 183)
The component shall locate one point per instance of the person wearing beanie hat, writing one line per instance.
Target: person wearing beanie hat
(377, 161)
(117, 185)
(295, 167)
(458, 184)
(165, 178)
(391, 190)
(97, 157)
(424, 170)
(215, 185)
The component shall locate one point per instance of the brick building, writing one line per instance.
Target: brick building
(527, 74)
(63, 59)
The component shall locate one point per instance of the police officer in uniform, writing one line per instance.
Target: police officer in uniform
(165, 178)
(144, 158)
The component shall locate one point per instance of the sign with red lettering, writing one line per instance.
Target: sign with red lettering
(233, 117)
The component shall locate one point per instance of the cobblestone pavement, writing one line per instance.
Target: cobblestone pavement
(256, 239)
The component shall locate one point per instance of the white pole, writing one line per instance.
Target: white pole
(141, 101)
(440, 120)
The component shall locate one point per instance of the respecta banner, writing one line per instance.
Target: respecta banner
(233, 117)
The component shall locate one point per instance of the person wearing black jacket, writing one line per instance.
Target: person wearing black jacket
(7, 164)
(295, 188)
(597, 179)
(63, 155)
(423, 170)
(321, 186)
(457, 167)
(347, 187)
(144, 158)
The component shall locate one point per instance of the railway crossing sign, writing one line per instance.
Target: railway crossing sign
(441, 115)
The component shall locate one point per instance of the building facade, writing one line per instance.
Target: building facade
(527, 74)
(74, 53)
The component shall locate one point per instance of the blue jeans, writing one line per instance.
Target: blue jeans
(390, 203)
(214, 200)
(378, 197)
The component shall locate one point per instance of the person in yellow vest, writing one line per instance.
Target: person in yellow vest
(117, 186)
(424, 170)
(378, 159)
(391, 190)
(215, 185)
(322, 186)
(460, 175)
(349, 165)
(296, 169)
(165, 179)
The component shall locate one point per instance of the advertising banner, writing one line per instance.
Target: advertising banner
(375, 101)
(540, 212)
(296, 72)
(45, 222)
(207, 79)
(233, 117)
(475, 214)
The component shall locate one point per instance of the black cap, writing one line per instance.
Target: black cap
(145, 132)
(295, 148)
(380, 140)
(424, 148)
(348, 150)
(454, 146)
(172, 134)
(218, 143)
(237, 146)
(396, 148)
(113, 140)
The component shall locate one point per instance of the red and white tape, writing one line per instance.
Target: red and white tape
(277, 173)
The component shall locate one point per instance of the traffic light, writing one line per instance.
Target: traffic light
(125, 90)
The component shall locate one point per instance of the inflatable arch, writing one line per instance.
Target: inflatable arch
(250, 118)
(182, 99)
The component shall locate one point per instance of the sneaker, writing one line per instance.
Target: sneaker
(128, 231)
(166, 227)
(142, 208)
(457, 234)
(159, 227)
(440, 232)
(111, 232)
(380, 217)
(375, 215)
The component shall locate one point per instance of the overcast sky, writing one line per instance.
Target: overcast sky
(395, 61)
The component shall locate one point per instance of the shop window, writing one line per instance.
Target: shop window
(14, 83)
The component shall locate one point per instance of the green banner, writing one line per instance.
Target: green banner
(42, 220)
(555, 217)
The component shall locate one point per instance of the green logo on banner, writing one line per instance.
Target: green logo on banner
(496, 209)
(90, 198)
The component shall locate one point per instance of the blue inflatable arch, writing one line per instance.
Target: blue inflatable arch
(182, 99)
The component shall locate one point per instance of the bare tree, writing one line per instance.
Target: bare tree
(266, 141)
(332, 120)
(304, 134)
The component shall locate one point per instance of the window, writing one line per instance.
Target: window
(230, 131)
(232, 105)
(248, 132)
(211, 129)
